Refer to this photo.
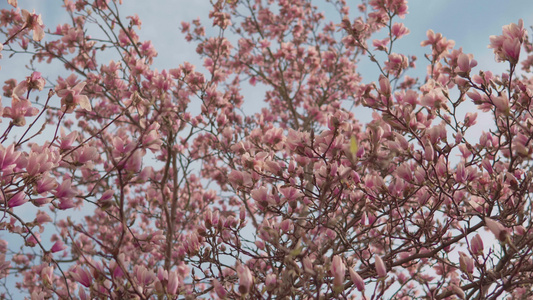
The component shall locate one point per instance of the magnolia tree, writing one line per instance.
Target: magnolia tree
(120, 181)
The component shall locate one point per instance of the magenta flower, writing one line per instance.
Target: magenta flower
(58, 246)
(71, 97)
(17, 200)
(82, 276)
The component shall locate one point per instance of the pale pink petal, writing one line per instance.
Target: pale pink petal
(84, 102)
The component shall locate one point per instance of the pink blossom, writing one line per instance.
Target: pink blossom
(399, 30)
(381, 269)
(466, 263)
(507, 46)
(501, 102)
(338, 270)
(33, 239)
(470, 119)
(173, 282)
(357, 280)
(499, 231)
(261, 195)
(65, 190)
(219, 289)
(45, 184)
(17, 200)
(20, 108)
(33, 22)
(384, 85)
(396, 64)
(8, 158)
(465, 63)
(47, 275)
(381, 45)
(271, 280)
(42, 218)
(308, 266)
(58, 246)
(66, 141)
(245, 279)
(82, 276)
(72, 97)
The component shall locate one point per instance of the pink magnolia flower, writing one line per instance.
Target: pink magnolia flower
(47, 275)
(33, 239)
(308, 265)
(507, 46)
(399, 30)
(42, 217)
(35, 81)
(65, 190)
(271, 280)
(4, 265)
(396, 64)
(71, 97)
(45, 184)
(17, 200)
(384, 85)
(466, 263)
(381, 45)
(338, 270)
(20, 108)
(33, 22)
(82, 276)
(245, 279)
(219, 289)
(465, 63)
(8, 158)
(173, 282)
(499, 231)
(58, 246)
(381, 269)
(501, 103)
(476, 245)
(357, 280)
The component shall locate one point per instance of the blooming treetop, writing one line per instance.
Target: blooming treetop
(298, 200)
